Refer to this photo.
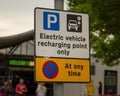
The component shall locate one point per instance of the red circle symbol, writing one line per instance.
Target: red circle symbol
(50, 69)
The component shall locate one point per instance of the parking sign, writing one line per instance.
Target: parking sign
(61, 46)
(51, 21)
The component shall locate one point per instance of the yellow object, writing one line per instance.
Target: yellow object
(90, 88)
(69, 70)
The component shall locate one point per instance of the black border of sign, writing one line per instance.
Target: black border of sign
(58, 57)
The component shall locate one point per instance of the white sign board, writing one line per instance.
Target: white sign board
(61, 34)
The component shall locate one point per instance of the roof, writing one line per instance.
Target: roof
(13, 40)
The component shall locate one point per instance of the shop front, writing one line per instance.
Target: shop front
(21, 68)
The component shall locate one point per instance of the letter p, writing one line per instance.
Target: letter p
(52, 19)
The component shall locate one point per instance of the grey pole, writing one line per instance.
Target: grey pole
(59, 4)
(58, 87)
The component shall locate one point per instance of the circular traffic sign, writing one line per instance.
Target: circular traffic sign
(50, 69)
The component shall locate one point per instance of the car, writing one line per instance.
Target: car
(73, 25)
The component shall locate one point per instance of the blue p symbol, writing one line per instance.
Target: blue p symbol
(51, 21)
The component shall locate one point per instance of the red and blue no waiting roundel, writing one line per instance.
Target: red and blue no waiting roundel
(50, 69)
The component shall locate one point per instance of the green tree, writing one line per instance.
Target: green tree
(104, 27)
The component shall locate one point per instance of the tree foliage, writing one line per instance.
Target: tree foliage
(104, 27)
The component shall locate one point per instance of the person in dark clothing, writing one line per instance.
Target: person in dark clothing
(100, 89)
(6, 89)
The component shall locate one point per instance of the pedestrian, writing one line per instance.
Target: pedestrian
(1, 94)
(6, 89)
(21, 88)
(11, 88)
(41, 90)
(100, 88)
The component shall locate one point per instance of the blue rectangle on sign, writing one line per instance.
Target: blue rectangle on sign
(51, 21)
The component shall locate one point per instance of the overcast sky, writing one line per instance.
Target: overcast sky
(17, 16)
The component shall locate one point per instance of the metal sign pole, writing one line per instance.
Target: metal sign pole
(58, 87)
(59, 4)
